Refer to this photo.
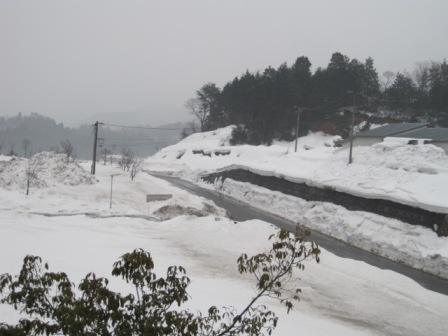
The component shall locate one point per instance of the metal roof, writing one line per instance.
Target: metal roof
(436, 134)
(391, 130)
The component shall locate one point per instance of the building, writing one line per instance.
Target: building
(437, 136)
(378, 134)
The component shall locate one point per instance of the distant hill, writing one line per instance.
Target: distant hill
(43, 133)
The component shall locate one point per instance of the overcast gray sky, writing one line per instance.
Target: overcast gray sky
(139, 61)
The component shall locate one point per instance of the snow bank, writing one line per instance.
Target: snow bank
(416, 175)
(47, 169)
(198, 141)
(393, 154)
(171, 211)
(413, 245)
(5, 158)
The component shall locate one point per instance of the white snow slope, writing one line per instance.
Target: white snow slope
(415, 175)
(73, 229)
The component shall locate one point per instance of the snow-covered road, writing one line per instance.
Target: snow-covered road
(245, 211)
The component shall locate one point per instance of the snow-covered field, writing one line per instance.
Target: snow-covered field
(72, 227)
(415, 175)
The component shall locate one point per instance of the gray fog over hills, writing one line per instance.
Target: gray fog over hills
(43, 133)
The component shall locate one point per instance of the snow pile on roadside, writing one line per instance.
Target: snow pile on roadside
(390, 238)
(427, 159)
(46, 168)
(211, 150)
(205, 141)
(167, 212)
(416, 175)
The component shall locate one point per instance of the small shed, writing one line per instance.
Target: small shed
(437, 136)
(376, 135)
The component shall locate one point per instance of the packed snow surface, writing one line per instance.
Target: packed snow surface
(415, 175)
(43, 170)
(73, 228)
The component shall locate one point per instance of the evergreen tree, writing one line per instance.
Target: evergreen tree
(402, 94)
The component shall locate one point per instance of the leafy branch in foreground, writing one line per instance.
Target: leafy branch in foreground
(54, 306)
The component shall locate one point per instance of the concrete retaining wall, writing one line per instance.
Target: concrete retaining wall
(406, 213)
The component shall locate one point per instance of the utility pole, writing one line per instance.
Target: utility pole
(95, 143)
(111, 183)
(352, 130)
(299, 110)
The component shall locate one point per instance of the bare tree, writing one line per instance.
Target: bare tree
(105, 153)
(67, 149)
(389, 76)
(126, 159)
(422, 75)
(196, 109)
(30, 174)
(26, 146)
(12, 151)
(112, 151)
(136, 166)
(191, 128)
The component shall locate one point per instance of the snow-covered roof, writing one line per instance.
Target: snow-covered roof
(391, 130)
(434, 133)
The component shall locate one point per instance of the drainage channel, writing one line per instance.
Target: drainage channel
(383, 207)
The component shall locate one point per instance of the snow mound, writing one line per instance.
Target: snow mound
(427, 159)
(5, 158)
(46, 168)
(171, 211)
(204, 141)
(310, 141)
(216, 138)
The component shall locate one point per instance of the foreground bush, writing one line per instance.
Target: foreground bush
(53, 306)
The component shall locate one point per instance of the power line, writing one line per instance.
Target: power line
(124, 143)
(107, 139)
(147, 128)
(136, 145)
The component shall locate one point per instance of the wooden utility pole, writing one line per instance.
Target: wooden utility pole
(299, 110)
(352, 130)
(95, 143)
(111, 183)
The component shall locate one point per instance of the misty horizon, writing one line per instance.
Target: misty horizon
(78, 62)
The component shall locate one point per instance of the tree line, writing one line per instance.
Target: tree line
(26, 134)
(264, 104)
